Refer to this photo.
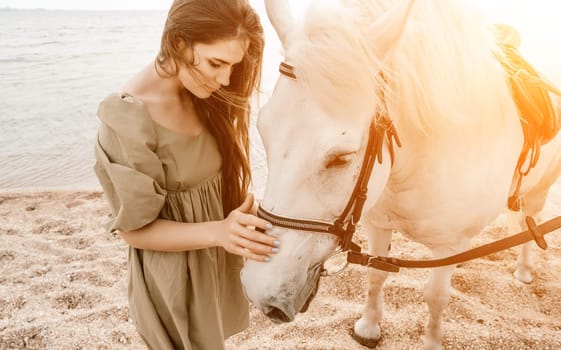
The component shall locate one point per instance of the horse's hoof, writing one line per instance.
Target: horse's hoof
(524, 276)
(369, 343)
(431, 344)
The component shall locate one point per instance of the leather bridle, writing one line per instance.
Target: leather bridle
(344, 227)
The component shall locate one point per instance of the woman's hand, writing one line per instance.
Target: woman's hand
(237, 235)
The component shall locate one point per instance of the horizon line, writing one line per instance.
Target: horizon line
(10, 8)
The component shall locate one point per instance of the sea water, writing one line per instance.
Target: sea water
(55, 68)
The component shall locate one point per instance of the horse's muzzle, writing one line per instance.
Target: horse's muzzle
(285, 312)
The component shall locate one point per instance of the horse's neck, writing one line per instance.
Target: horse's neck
(445, 176)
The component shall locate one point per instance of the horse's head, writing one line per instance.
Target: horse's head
(315, 129)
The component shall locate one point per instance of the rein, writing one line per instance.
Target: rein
(534, 232)
(344, 226)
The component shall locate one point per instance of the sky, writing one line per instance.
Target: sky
(498, 5)
(89, 4)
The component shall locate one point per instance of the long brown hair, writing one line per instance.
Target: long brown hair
(226, 112)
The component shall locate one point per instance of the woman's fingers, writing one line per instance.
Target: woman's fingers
(251, 255)
(254, 246)
(255, 236)
(246, 221)
(245, 240)
(252, 220)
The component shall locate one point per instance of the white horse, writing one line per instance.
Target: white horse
(431, 66)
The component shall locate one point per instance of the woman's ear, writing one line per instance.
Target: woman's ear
(187, 52)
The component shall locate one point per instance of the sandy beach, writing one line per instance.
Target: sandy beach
(63, 286)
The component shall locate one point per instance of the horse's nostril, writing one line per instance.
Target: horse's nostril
(277, 315)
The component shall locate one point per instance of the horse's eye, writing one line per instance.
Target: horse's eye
(338, 160)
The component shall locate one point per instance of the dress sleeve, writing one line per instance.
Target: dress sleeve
(128, 169)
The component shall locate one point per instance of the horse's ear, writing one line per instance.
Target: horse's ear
(281, 18)
(387, 30)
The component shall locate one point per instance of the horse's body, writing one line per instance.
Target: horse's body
(449, 99)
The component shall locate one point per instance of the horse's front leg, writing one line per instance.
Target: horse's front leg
(437, 294)
(367, 329)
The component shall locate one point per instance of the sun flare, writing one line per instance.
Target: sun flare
(536, 20)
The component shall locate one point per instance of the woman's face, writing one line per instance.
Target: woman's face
(212, 65)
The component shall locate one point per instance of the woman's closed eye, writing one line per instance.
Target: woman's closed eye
(214, 64)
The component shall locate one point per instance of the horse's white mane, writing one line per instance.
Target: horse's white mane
(444, 59)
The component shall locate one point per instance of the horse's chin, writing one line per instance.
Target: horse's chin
(287, 313)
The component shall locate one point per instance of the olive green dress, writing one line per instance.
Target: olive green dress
(184, 300)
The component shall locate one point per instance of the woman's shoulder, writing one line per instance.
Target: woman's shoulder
(120, 104)
(126, 115)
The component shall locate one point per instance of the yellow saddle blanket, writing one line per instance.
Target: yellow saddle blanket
(531, 93)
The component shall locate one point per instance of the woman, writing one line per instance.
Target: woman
(172, 158)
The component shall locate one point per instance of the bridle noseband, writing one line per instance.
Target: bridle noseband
(344, 226)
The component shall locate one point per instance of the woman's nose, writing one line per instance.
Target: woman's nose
(223, 77)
